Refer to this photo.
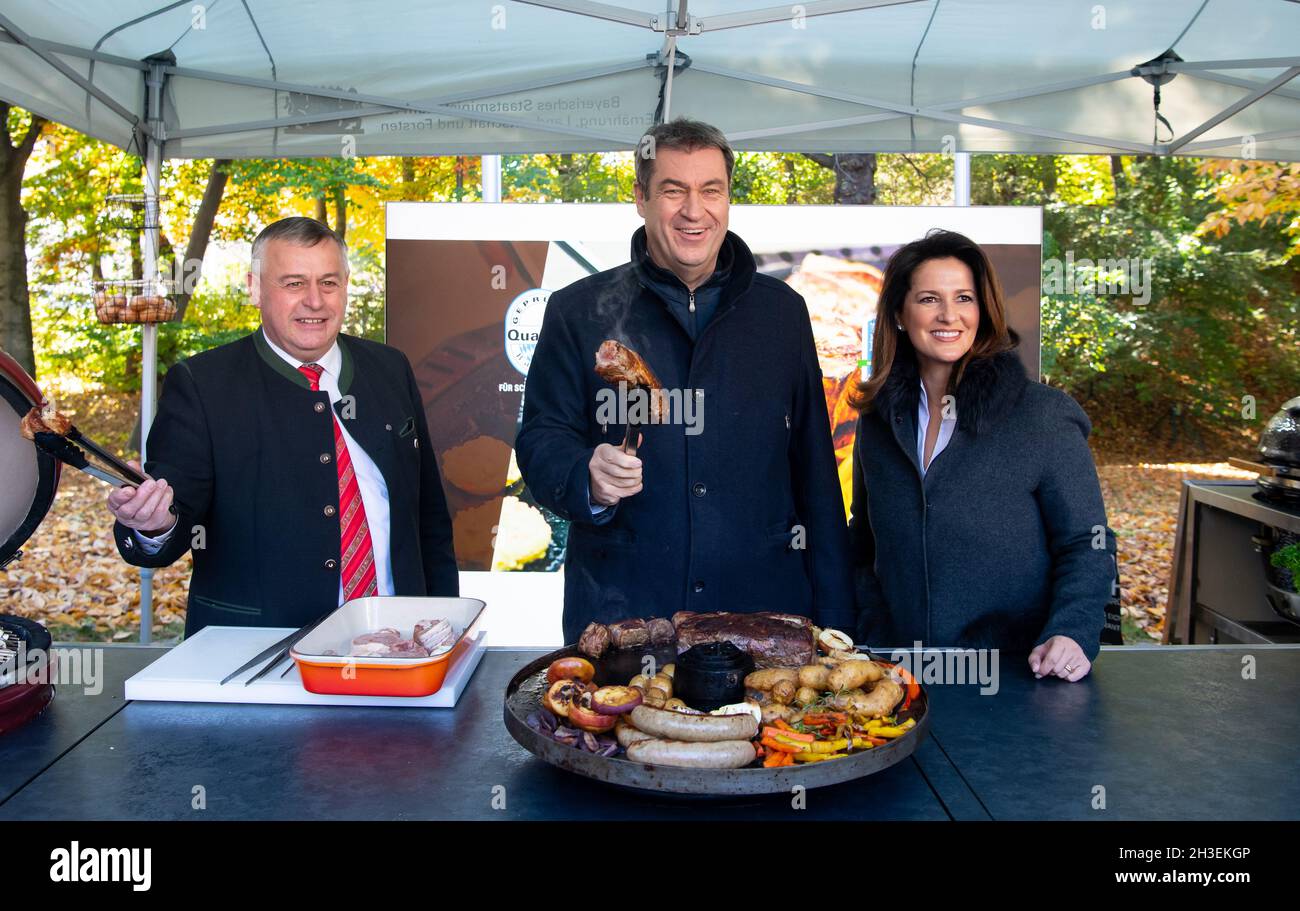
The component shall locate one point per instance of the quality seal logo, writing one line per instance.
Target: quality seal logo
(523, 326)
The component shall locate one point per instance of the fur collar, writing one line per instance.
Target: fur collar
(990, 388)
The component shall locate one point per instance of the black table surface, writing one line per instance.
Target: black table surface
(1167, 732)
(343, 762)
(69, 718)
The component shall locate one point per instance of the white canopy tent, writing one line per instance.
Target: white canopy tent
(280, 79)
(269, 78)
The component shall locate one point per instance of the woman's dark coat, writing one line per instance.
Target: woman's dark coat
(1004, 543)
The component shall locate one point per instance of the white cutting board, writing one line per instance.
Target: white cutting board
(192, 672)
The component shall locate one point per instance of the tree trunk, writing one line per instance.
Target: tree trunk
(341, 212)
(408, 178)
(320, 210)
(855, 176)
(1048, 163)
(15, 301)
(1117, 171)
(200, 234)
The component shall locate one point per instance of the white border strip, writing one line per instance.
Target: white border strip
(761, 227)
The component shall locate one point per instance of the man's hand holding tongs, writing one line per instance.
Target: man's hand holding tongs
(147, 508)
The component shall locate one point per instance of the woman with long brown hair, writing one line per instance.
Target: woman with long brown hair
(977, 517)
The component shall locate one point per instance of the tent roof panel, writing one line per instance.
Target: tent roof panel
(410, 77)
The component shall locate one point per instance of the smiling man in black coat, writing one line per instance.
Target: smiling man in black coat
(297, 458)
(734, 503)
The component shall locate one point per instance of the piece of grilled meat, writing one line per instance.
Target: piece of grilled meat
(45, 419)
(617, 363)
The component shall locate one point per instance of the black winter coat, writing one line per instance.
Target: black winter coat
(1004, 544)
(717, 524)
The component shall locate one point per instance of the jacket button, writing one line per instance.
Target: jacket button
(699, 586)
(559, 492)
(319, 407)
(331, 564)
(388, 426)
(325, 458)
(329, 510)
(699, 489)
(898, 419)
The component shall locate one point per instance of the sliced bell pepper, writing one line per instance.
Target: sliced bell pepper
(828, 746)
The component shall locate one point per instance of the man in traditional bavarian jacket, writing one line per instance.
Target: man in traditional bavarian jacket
(297, 458)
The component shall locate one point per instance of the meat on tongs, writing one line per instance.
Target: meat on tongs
(54, 433)
(617, 363)
(45, 419)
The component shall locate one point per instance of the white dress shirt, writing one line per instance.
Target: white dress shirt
(947, 423)
(370, 481)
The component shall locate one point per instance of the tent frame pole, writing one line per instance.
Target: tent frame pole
(961, 179)
(905, 110)
(413, 106)
(1211, 144)
(397, 107)
(490, 178)
(153, 153)
(34, 45)
(1238, 105)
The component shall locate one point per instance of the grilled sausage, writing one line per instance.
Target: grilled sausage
(695, 728)
(723, 754)
(626, 735)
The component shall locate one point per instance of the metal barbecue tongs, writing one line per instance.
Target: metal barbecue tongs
(66, 450)
(277, 652)
(278, 649)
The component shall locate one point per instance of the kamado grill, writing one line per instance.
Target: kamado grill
(31, 476)
(1279, 448)
(1278, 484)
(22, 642)
(31, 479)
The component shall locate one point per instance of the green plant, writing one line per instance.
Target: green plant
(1288, 558)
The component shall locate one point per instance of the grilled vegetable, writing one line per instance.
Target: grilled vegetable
(853, 674)
(615, 700)
(570, 669)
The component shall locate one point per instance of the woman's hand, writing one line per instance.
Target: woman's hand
(1060, 656)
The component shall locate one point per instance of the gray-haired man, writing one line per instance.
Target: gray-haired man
(297, 458)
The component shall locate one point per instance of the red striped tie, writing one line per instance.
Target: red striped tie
(358, 563)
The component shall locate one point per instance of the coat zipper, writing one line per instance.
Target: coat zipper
(692, 303)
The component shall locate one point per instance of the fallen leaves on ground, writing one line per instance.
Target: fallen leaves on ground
(1142, 509)
(71, 578)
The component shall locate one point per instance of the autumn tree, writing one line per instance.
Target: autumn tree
(21, 132)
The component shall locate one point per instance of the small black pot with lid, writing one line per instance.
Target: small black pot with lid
(711, 675)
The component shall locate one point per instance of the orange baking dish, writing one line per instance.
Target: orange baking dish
(341, 674)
